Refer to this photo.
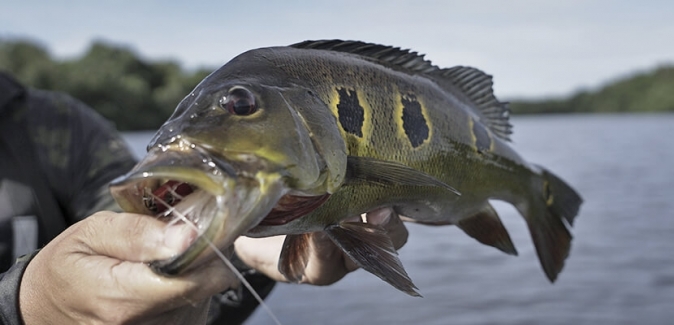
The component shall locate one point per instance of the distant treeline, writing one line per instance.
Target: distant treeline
(134, 93)
(137, 94)
(645, 92)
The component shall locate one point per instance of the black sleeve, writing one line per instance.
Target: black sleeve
(9, 291)
(78, 153)
(79, 150)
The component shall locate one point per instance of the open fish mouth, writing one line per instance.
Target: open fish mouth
(182, 183)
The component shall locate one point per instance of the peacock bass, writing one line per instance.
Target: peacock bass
(293, 140)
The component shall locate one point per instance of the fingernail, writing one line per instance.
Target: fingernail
(379, 216)
(178, 237)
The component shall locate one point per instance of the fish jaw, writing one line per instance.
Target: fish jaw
(179, 183)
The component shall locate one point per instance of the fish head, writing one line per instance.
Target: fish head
(234, 147)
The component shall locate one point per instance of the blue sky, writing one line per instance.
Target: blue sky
(532, 48)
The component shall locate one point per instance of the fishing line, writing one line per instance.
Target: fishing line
(222, 256)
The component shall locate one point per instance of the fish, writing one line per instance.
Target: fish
(292, 140)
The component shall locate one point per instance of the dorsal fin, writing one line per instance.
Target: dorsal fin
(396, 56)
(474, 84)
(477, 85)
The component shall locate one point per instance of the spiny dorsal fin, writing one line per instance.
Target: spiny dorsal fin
(475, 84)
(395, 56)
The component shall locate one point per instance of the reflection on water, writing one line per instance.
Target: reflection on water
(621, 268)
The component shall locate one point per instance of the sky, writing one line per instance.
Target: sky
(533, 48)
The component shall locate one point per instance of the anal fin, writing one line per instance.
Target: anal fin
(294, 256)
(487, 228)
(371, 249)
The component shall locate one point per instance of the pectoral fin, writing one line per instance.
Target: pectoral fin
(487, 228)
(294, 256)
(389, 173)
(371, 248)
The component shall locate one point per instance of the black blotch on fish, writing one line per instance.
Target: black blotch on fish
(351, 114)
(414, 123)
(482, 138)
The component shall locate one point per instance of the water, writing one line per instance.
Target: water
(621, 267)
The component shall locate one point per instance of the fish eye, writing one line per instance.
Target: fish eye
(239, 101)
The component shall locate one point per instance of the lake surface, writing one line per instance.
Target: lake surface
(621, 266)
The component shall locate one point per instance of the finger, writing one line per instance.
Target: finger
(389, 220)
(396, 230)
(138, 239)
(326, 262)
(190, 288)
(133, 237)
(261, 254)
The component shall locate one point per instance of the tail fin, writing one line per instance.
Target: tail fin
(554, 202)
(564, 201)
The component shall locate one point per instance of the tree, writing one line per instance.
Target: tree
(115, 81)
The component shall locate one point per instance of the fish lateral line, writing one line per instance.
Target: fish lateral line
(372, 170)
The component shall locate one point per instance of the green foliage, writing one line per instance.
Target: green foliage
(647, 92)
(29, 62)
(133, 93)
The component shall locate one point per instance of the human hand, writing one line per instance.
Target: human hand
(327, 263)
(95, 272)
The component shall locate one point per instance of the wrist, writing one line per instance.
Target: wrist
(10, 311)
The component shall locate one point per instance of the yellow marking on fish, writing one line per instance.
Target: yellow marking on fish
(481, 137)
(398, 116)
(367, 127)
(271, 154)
(492, 143)
(549, 200)
(333, 100)
(473, 138)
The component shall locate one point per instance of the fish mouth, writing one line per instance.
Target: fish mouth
(184, 184)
